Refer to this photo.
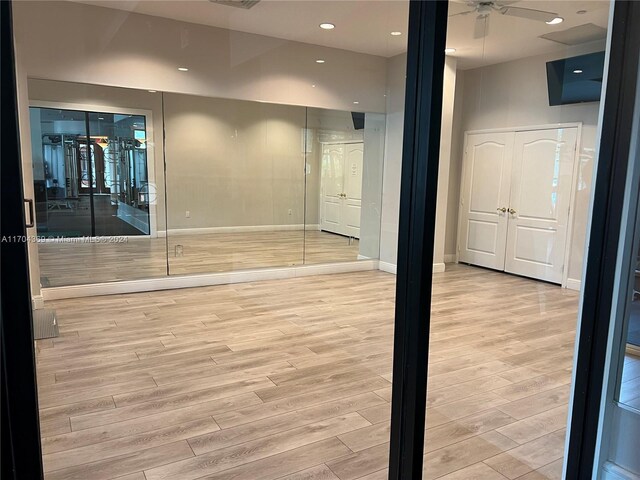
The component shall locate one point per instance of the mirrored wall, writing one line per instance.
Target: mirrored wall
(176, 184)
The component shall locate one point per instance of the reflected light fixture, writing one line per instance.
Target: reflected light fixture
(319, 61)
(395, 34)
(356, 103)
(577, 71)
(152, 91)
(183, 69)
(449, 51)
(100, 118)
(327, 26)
(555, 21)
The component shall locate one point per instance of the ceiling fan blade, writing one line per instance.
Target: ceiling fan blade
(462, 13)
(529, 13)
(481, 27)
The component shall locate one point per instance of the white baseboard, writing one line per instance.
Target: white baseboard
(240, 229)
(391, 268)
(387, 267)
(450, 258)
(573, 284)
(37, 302)
(202, 280)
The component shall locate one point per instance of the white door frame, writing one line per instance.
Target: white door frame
(151, 154)
(574, 175)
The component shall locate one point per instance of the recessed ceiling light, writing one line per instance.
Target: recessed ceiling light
(183, 69)
(327, 26)
(577, 70)
(152, 91)
(449, 50)
(395, 34)
(356, 103)
(314, 85)
(319, 61)
(555, 21)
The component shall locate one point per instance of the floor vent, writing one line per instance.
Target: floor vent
(45, 324)
(246, 4)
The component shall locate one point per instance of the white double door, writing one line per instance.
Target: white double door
(515, 201)
(341, 188)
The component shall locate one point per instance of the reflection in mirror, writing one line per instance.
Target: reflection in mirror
(344, 152)
(235, 184)
(95, 207)
(629, 391)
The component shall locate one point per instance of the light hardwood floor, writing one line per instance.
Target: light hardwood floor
(77, 263)
(290, 379)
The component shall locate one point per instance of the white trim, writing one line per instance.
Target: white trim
(37, 302)
(572, 207)
(450, 258)
(96, 239)
(202, 280)
(573, 284)
(151, 154)
(387, 267)
(392, 268)
(526, 128)
(238, 229)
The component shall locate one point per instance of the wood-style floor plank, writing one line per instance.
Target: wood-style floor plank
(291, 380)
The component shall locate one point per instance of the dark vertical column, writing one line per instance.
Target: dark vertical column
(606, 218)
(87, 127)
(21, 454)
(420, 156)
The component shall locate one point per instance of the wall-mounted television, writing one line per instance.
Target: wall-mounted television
(575, 79)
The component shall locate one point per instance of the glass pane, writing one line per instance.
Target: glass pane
(97, 215)
(522, 87)
(235, 184)
(58, 143)
(344, 158)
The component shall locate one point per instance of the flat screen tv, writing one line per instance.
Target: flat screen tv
(575, 79)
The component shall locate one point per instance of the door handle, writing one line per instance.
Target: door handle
(30, 223)
(503, 209)
(512, 211)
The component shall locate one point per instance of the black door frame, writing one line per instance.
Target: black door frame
(416, 233)
(604, 235)
(21, 451)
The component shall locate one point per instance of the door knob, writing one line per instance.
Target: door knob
(503, 209)
(512, 211)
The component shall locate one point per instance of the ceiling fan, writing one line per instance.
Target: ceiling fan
(485, 8)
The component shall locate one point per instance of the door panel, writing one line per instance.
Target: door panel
(540, 199)
(485, 190)
(332, 188)
(353, 189)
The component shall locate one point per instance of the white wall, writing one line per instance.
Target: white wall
(396, 76)
(514, 94)
(88, 44)
(234, 163)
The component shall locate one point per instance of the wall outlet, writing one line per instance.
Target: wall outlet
(290, 212)
(187, 214)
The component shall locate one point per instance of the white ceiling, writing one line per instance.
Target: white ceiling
(365, 26)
